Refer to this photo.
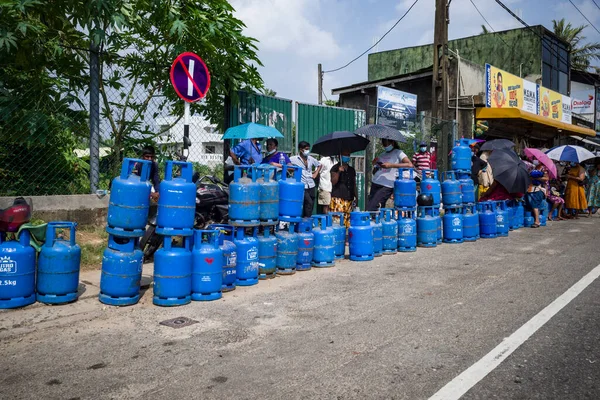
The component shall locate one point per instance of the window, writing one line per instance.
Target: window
(546, 75)
(555, 66)
(563, 82)
(210, 149)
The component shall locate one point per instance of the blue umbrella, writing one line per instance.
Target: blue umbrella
(570, 153)
(252, 130)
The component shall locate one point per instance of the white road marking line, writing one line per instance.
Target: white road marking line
(190, 87)
(460, 385)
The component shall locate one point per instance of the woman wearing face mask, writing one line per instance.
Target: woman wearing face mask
(274, 157)
(575, 192)
(343, 191)
(593, 191)
(385, 172)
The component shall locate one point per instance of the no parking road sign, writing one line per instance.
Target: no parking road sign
(190, 77)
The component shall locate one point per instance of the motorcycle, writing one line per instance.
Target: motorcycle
(212, 207)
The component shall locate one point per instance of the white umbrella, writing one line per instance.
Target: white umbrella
(570, 153)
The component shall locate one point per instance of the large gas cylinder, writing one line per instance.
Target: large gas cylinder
(427, 227)
(246, 245)
(173, 273)
(405, 189)
(461, 156)
(467, 187)
(520, 215)
(229, 255)
(244, 196)
(267, 253)
(451, 192)
(390, 231)
(269, 194)
(324, 252)
(306, 245)
(291, 192)
(360, 236)
(339, 232)
(129, 199)
(121, 272)
(58, 266)
(502, 218)
(377, 234)
(431, 185)
(543, 213)
(177, 201)
(453, 225)
(470, 223)
(528, 219)
(17, 271)
(207, 266)
(407, 231)
(287, 248)
(487, 219)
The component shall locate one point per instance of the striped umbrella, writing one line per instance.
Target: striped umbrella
(570, 153)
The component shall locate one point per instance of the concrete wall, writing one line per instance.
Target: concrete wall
(85, 209)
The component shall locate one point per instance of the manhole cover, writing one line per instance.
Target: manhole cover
(178, 322)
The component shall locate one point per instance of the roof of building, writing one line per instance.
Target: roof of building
(422, 73)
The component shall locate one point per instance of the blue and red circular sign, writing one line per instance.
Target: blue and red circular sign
(190, 77)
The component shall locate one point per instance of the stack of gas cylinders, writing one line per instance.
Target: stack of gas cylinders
(429, 221)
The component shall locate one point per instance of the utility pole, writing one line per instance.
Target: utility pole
(320, 83)
(440, 80)
(95, 115)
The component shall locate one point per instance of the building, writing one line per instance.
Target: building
(529, 57)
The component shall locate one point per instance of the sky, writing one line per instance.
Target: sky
(296, 35)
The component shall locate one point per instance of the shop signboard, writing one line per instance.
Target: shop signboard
(505, 90)
(554, 105)
(583, 100)
(396, 108)
(597, 113)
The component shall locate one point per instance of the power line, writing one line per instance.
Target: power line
(583, 15)
(490, 25)
(594, 1)
(376, 43)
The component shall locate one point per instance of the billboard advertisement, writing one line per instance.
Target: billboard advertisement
(583, 102)
(554, 105)
(505, 90)
(396, 108)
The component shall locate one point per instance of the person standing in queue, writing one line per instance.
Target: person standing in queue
(385, 171)
(421, 160)
(310, 171)
(343, 187)
(246, 152)
(149, 154)
(275, 157)
(324, 197)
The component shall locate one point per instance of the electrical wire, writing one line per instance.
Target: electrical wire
(583, 15)
(594, 1)
(490, 25)
(376, 43)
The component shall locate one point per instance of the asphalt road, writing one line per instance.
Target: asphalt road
(399, 327)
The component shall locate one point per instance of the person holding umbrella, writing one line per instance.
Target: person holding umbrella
(344, 189)
(311, 169)
(536, 192)
(246, 152)
(385, 172)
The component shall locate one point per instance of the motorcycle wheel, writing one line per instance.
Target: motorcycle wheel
(150, 243)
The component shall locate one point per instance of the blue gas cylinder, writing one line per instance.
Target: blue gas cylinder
(470, 223)
(130, 199)
(427, 227)
(451, 190)
(440, 233)
(467, 187)
(324, 252)
(269, 194)
(431, 185)
(306, 245)
(173, 273)
(339, 232)
(177, 201)
(453, 225)
(390, 231)
(267, 253)
(229, 255)
(244, 196)
(544, 213)
(17, 271)
(512, 212)
(520, 215)
(360, 236)
(287, 248)
(461, 156)
(246, 244)
(502, 218)
(207, 266)
(528, 219)
(487, 219)
(405, 189)
(407, 231)
(58, 266)
(121, 272)
(291, 192)
(377, 234)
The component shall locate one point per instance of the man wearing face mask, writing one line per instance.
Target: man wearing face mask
(344, 191)
(385, 172)
(247, 152)
(310, 171)
(422, 159)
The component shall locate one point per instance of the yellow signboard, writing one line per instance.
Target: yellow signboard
(506, 90)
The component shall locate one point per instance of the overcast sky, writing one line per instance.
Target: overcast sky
(296, 35)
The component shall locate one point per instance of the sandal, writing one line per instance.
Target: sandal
(535, 226)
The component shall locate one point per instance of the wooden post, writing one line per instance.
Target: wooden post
(440, 81)
(320, 83)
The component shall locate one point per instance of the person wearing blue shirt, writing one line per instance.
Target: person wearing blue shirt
(247, 152)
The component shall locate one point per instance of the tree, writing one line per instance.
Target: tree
(269, 92)
(582, 54)
(330, 103)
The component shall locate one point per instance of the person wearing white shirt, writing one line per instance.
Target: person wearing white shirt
(385, 172)
(310, 170)
(325, 184)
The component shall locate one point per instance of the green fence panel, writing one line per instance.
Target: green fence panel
(266, 110)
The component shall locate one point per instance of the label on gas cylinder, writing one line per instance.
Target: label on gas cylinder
(408, 229)
(500, 218)
(456, 222)
(252, 254)
(8, 282)
(8, 265)
(232, 259)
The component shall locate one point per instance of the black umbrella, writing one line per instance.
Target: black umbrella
(382, 132)
(334, 143)
(497, 144)
(509, 170)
